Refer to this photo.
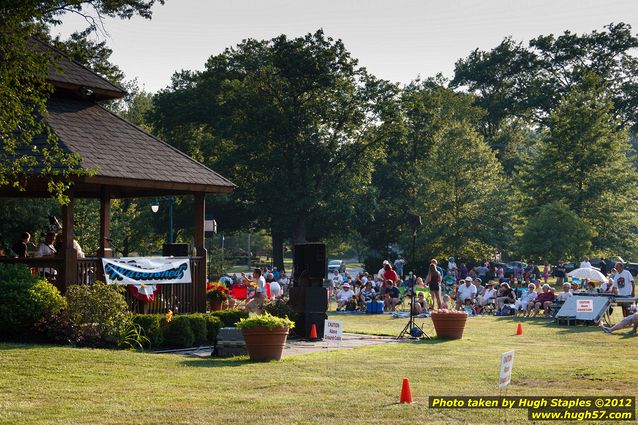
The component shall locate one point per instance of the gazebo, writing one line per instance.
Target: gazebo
(126, 162)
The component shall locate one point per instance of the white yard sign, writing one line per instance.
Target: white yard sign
(332, 330)
(505, 374)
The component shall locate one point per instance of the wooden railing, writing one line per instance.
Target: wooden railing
(180, 298)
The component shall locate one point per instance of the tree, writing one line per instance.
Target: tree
(513, 81)
(586, 162)
(23, 73)
(290, 121)
(464, 199)
(557, 233)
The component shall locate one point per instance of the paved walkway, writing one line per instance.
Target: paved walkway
(296, 346)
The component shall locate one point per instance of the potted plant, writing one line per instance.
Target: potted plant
(449, 324)
(217, 295)
(265, 336)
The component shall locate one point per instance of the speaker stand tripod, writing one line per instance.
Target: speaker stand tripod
(412, 323)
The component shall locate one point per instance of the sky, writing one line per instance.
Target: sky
(397, 40)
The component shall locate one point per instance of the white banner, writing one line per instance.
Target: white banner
(146, 271)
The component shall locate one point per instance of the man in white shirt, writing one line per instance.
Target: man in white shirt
(623, 286)
(381, 273)
(567, 293)
(465, 293)
(344, 296)
(488, 294)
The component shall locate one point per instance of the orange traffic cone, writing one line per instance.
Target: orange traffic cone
(519, 330)
(313, 332)
(406, 394)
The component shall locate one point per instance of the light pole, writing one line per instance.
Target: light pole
(155, 208)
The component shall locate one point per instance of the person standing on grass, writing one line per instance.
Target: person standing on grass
(545, 272)
(433, 280)
(623, 286)
(398, 265)
(256, 303)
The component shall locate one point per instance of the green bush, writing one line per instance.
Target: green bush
(280, 308)
(178, 332)
(99, 309)
(151, 325)
(24, 300)
(198, 327)
(229, 318)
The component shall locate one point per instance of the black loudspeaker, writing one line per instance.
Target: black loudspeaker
(175, 250)
(310, 264)
(309, 300)
(304, 323)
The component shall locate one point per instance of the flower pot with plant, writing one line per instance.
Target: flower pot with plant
(449, 324)
(217, 296)
(265, 336)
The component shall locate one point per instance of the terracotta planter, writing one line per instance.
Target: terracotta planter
(215, 305)
(449, 325)
(264, 344)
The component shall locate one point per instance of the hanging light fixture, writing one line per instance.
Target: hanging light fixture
(155, 205)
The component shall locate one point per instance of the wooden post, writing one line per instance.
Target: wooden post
(105, 224)
(200, 251)
(69, 272)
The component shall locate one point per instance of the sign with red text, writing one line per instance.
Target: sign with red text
(332, 330)
(505, 374)
(584, 306)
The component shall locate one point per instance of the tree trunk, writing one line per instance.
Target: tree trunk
(277, 249)
(299, 231)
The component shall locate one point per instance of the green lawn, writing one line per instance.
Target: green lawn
(57, 385)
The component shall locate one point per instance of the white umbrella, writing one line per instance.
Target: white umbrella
(588, 273)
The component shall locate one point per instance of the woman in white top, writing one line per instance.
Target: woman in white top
(256, 303)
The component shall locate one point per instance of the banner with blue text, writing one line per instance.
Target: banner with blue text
(146, 271)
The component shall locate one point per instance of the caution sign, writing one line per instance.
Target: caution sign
(505, 374)
(584, 306)
(332, 330)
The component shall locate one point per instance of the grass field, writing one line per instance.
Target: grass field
(58, 385)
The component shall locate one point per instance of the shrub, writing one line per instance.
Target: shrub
(280, 308)
(229, 318)
(99, 309)
(151, 325)
(24, 300)
(60, 329)
(198, 327)
(178, 332)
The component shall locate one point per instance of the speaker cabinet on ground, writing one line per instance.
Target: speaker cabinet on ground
(175, 250)
(304, 322)
(310, 264)
(309, 300)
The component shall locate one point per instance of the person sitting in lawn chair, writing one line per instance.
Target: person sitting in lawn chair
(420, 304)
(392, 296)
(367, 294)
(544, 300)
(344, 296)
(466, 294)
(526, 302)
(488, 298)
(505, 295)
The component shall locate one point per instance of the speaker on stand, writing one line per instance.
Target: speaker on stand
(307, 295)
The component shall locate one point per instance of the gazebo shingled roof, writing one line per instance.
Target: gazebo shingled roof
(131, 162)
